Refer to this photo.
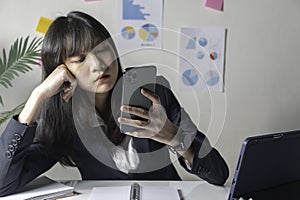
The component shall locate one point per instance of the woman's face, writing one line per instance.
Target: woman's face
(95, 71)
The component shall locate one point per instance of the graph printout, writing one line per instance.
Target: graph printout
(201, 62)
(140, 23)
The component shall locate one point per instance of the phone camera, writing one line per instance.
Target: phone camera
(131, 76)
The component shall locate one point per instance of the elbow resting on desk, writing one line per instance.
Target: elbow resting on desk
(211, 168)
(219, 172)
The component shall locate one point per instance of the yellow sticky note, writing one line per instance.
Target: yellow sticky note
(43, 25)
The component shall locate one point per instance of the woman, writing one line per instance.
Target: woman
(72, 117)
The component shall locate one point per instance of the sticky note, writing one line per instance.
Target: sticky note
(43, 25)
(215, 4)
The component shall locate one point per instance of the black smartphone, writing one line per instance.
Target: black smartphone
(134, 79)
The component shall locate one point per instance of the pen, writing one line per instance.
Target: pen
(135, 191)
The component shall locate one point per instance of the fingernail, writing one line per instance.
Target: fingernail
(123, 108)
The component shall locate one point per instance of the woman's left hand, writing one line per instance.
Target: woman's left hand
(156, 126)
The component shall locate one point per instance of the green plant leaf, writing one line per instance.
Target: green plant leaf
(22, 55)
(1, 101)
(3, 62)
(8, 114)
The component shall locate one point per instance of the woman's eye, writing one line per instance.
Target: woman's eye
(80, 60)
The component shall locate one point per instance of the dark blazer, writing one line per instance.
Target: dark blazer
(22, 160)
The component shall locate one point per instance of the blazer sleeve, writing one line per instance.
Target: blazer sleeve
(21, 160)
(208, 164)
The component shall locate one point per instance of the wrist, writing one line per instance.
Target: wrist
(39, 95)
(170, 132)
(182, 141)
(186, 153)
(32, 107)
(178, 144)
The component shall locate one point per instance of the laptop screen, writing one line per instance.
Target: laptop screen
(266, 162)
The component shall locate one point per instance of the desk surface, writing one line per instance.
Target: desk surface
(192, 190)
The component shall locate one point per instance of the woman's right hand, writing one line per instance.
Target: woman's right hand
(61, 79)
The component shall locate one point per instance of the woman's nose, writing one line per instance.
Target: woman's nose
(96, 64)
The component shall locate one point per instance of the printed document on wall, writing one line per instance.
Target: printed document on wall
(201, 62)
(139, 24)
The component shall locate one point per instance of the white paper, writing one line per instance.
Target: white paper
(140, 23)
(120, 192)
(159, 193)
(202, 58)
(123, 193)
(41, 186)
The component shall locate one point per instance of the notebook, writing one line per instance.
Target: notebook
(145, 193)
(268, 168)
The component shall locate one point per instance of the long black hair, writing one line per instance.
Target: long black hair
(69, 36)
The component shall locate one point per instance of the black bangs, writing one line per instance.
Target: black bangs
(80, 38)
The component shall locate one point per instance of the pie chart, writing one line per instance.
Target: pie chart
(213, 55)
(190, 77)
(200, 55)
(212, 78)
(203, 42)
(128, 32)
(148, 32)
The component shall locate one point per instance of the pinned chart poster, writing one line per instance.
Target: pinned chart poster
(201, 62)
(140, 23)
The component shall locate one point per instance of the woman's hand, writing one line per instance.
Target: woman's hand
(156, 126)
(60, 79)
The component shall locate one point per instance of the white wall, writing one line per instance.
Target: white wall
(262, 61)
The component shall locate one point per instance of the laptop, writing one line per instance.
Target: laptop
(268, 168)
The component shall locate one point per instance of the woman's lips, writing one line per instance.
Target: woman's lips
(102, 78)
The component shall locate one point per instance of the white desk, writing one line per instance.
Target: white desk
(192, 190)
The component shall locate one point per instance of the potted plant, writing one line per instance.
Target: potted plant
(22, 55)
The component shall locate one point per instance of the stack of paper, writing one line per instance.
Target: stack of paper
(41, 188)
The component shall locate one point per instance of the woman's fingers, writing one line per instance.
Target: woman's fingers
(135, 111)
(69, 86)
(133, 122)
(154, 119)
(69, 91)
(139, 133)
(61, 79)
(150, 95)
(139, 112)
